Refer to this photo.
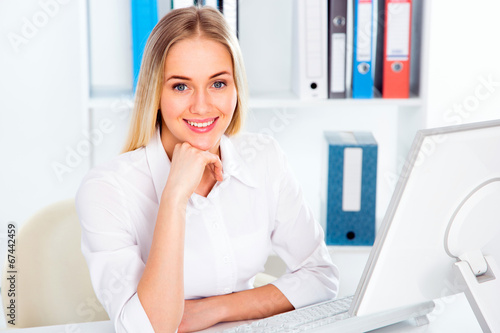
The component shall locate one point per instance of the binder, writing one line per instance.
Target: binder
(396, 72)
(309, 53)
(337, 25)
(229, 9)
(210, 3)
(351, 188)
(176, 4)
(144, 17)
(362, 71)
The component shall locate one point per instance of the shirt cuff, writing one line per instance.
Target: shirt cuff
(315, 281)
(133, 318)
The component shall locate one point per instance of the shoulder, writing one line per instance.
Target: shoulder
(115, 173)
(261, 154)
(255, 147)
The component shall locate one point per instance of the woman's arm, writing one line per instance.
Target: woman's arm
(161, 288)
(255, 303)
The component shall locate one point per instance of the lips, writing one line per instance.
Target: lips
(201, 125)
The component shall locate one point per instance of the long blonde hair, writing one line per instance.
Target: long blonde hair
(177, 25)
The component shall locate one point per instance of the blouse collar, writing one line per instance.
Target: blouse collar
(232, 163)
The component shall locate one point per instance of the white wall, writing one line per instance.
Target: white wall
(41, 115)
(464, 52)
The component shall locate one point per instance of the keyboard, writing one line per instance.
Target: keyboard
(302, 319)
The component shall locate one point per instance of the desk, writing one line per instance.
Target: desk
(450, 315)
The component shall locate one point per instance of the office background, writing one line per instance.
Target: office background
(45, 80)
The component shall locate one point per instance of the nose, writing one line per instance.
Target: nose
(201, 102)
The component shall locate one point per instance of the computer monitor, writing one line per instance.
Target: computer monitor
(446, 203)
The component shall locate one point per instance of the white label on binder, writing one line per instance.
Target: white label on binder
(398, 31)
(313, 39)
(338, 64)
(182, 3)
(351, 187)
(364, 32)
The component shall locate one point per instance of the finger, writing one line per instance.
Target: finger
(216, 173)
(215, 165)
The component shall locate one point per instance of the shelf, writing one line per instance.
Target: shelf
(111, 99)
(285, 99)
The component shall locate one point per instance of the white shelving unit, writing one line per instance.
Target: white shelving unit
(266, 39)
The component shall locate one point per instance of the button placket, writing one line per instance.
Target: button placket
(222, 250)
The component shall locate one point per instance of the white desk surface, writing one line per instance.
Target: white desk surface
(450, 315)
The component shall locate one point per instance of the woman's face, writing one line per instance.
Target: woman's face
(199, 94)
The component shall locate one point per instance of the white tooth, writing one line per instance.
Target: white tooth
(201, 124)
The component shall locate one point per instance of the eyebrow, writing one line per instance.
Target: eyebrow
(179, 77)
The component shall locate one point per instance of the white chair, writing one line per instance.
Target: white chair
(53, 283)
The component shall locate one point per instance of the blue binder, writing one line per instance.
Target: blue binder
(345, 223)
(144, 18)
(362, 71)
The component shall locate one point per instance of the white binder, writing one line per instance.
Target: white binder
(310, 49)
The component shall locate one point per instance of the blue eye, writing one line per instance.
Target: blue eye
(180, 87)
(219, 85)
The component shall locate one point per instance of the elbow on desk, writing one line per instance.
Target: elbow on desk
(164, 318)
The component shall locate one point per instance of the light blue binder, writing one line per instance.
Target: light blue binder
(144, 17)
(362, 71)
(212, 3)
(347, 225)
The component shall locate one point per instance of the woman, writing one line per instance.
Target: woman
(175, 229)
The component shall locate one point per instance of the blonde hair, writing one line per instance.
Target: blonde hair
(177, 25)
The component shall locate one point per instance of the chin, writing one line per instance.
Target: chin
(203, 144)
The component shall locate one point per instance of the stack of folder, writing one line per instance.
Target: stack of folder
(352, 48)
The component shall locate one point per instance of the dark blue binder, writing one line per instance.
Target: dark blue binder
(351, 226)
(144, 15)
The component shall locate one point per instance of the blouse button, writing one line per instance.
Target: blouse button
(226, 260)
(227, 290)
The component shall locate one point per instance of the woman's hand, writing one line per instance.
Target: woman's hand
(187, 169)
(200, 314)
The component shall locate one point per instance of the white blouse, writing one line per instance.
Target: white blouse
(257, 208)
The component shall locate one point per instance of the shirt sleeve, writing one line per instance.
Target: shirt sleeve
(112, 253)
(299, 241)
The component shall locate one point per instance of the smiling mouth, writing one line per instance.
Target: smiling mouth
(201, 124)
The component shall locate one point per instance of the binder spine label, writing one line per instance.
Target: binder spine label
(313, 39)
(181, 3)
(364, 35)
(337, 74)
(351, 187)
(398, 32)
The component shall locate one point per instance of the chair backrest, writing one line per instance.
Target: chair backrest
(52, 285)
